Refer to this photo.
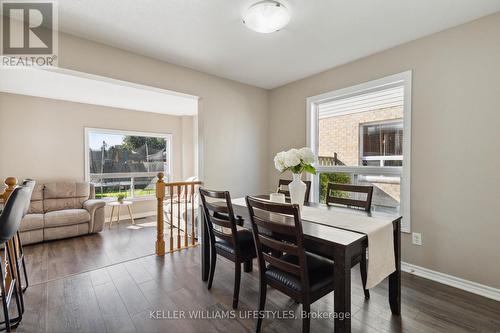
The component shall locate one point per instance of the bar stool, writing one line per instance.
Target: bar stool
(29, 183)
(10, 220)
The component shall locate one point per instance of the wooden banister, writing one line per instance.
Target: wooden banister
(160, 194)
(169, 195)
(11, 184)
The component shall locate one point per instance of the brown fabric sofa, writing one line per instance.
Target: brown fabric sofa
(62, 210)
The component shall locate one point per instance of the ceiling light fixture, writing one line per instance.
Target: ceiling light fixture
(266, 16)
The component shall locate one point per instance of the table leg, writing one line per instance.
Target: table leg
(205, 249)
(111, 217)
(395, 278)
(130, 212)
(118, 215)
(342, 292)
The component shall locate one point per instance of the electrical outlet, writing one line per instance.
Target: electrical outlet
(416, 238)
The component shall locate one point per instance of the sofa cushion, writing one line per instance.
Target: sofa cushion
(36, 206)
(32, 222)
(66, 217)
(32, 236)
(65, 195)
(66, 231)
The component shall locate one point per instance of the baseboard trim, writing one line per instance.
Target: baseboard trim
(136, 215)
(453, 281)
(144, 214)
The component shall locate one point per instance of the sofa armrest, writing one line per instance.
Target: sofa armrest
(95, 208)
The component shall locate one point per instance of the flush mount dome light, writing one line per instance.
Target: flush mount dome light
(266, 16)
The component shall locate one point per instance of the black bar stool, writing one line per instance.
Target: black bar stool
(29, 183)
(10, 220)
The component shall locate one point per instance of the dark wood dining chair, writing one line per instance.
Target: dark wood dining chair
(285, 182)
(303, 276)
(332, 197)
(226, 239)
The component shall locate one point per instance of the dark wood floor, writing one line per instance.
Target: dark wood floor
(121, 296)
(61, 258)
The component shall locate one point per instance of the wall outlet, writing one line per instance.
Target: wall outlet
(416, 238)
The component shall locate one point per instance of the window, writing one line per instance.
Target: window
(361, 136)
(382, 143)
(126, 162)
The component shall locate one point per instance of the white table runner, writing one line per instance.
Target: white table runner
(379, 231)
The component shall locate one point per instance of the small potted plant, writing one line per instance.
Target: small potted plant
(121, 196)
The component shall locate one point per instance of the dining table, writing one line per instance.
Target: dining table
(336, 243)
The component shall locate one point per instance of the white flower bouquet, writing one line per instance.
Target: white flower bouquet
(295, 160)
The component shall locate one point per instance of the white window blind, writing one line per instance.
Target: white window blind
(368, 101)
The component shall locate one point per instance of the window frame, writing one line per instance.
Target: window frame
(167, 170)
(403, 79)
(382, 158)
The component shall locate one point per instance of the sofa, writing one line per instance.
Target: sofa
(61, 210)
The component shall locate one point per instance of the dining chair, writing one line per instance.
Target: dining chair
(10, 220)
(333, 197)
(285, 182)
(227, 238)
(303, 276)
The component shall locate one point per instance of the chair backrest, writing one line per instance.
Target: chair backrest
(277, 228)
(333, 190)
(219, 216)
(29, 183)
(285, 182)
(13, 211)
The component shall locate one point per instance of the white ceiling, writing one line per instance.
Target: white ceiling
(80, 87)
(208, 35)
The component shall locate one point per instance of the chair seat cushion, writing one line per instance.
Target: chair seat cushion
(320, 272)
(66, 217)
(245, 239)
(32, 222)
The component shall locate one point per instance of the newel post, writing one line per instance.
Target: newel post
(160, 195)
(11, 183)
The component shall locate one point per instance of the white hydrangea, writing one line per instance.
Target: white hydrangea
(306, 155)
(279, 161)
(295, 160)
(292, 158)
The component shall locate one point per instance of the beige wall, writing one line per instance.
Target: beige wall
(455, 167)
(232, 116)
(232, 119)
(44, 138)
(188, 141)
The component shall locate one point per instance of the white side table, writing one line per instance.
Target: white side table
(116, 205)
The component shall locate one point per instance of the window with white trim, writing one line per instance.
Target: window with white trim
(361, 135)
(126, 162)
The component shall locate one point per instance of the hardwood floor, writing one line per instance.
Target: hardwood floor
(60, 258)
(121, 296)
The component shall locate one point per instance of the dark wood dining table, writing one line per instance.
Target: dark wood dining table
(340, 245)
